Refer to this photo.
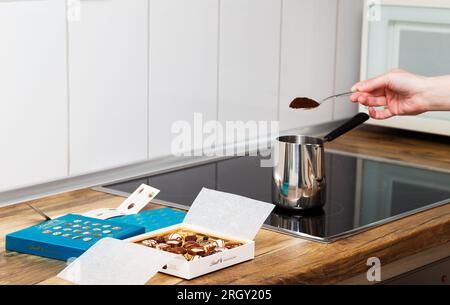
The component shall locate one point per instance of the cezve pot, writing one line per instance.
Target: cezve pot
(298, 180)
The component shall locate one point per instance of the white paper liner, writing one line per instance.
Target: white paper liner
(115, 262)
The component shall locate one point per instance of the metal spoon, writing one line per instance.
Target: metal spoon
(307, 103)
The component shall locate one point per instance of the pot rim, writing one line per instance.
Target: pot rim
(300, 140)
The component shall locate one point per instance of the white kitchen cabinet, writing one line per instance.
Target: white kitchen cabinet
(348, 54)
(249, 56)
(183, 68)
(33, 92)
(108, 69)
(307, 59)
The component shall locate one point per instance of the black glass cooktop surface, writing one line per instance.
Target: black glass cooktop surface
(361, 192)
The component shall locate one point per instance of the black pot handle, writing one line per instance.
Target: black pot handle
(347, 126)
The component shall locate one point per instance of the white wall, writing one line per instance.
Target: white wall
(118, 78)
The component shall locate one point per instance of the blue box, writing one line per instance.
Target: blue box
(153, 219)
(67, 236)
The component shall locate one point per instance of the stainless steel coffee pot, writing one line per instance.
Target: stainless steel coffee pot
(298, 180)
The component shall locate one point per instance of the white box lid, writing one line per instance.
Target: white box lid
(228, 213)
(116, 262)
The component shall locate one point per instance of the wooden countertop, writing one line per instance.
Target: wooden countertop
(280, 259)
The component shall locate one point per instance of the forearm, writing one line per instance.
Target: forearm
(437, 95)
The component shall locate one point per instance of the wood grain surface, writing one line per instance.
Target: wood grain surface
(401, 145)
(280, 259)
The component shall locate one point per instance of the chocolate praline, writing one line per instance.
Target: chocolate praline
(204, 243)
(219, 243)
(174, 242)
(174, 236)
(160, 239)
(191, 237)
(149, 243)
(196, 251)
(190, 244)
(209, 247)
(177, 250)
(163, 247)
(231, 245)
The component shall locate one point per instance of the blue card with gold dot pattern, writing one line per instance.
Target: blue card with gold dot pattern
(67, 236)
(153, 219)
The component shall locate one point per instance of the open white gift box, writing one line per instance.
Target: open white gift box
(222, 215)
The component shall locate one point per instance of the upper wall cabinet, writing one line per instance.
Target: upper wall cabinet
(411, 35)
(249, 55)
(108, 68)
(183, 68)
(33, 92)
(320, 55)
(348, 53)
(307, 59)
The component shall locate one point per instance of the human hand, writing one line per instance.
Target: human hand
(402, 93)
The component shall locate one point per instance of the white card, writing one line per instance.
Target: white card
(142, 196)
(116, 262)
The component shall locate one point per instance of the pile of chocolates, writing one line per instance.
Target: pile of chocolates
(191, 245)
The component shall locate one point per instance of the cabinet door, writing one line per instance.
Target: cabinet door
(33, 92)
(414, 37)
(348, 54)
(108, 69)
(249, 55)
(183, 68)
(307, 60)
(430, 43)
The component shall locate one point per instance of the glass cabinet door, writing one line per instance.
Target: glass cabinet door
(413, 38)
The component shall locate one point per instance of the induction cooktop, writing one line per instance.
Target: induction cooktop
(362, 192)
